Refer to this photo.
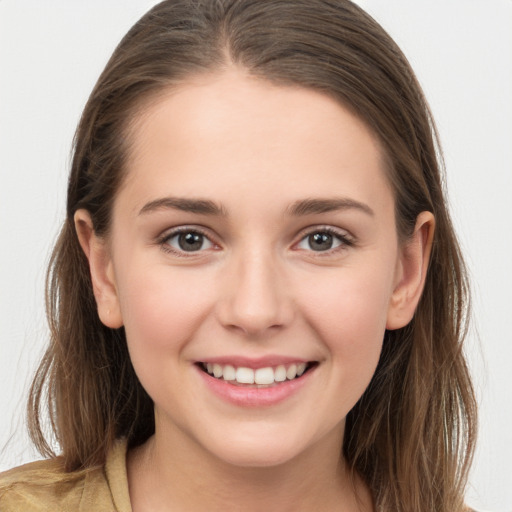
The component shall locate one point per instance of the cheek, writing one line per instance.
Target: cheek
(350, 319)
(161, 309)
(349, 313)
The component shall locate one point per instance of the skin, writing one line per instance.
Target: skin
(255, 288)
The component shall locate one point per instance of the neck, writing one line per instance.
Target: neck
(172, 473)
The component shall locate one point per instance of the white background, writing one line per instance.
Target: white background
(51, 53)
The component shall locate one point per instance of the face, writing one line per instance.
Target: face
(254, 262)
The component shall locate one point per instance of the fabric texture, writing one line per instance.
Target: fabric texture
(44, 486)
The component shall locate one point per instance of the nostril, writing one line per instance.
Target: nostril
(256, 303)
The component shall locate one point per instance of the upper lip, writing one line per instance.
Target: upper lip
(254, 363)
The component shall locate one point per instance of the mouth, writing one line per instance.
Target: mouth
(269, 376)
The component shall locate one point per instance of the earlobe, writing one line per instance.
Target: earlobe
(411, 272)
(101, 268)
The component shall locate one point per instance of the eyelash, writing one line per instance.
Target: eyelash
(343, 237)
(163, 241)
(345, 240)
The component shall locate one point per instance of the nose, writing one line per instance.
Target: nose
(255, 299)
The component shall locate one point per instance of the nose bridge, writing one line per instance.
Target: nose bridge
(255, 299)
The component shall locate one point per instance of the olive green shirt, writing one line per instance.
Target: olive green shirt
(44, 486)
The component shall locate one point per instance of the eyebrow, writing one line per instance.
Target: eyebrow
(316, 206)
(200, 206)
(297, 209)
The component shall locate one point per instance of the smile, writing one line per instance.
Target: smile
(267, 376)
(256, 382)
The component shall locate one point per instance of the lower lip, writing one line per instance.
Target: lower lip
(247, 396)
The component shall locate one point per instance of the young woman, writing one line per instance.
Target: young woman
(257, 300)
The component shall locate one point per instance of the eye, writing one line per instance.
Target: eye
(188, 240)
(323, 240)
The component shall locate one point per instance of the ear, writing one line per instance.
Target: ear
(411, 272)
(97, 251)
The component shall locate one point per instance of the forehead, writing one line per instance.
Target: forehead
(231, 130)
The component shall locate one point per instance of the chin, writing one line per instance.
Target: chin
(258, 457)
(262, 449)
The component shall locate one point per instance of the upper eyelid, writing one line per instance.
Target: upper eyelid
(163, 242)
(169, 233)
(342, 233)
(304, 232)
(346, 239)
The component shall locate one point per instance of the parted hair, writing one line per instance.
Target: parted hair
(411, 435)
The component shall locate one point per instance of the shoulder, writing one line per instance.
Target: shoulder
(40, 486)
(45, 486)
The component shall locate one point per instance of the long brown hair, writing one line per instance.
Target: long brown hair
(411, 435)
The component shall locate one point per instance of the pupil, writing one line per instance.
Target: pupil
(320, 241)
(190, 241)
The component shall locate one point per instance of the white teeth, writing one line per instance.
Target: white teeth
(280, 374)
(245, 375)
(291, 373)
(264, 376)
(217, 370)
(301, 368)
(260, 376)
(229, 372)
